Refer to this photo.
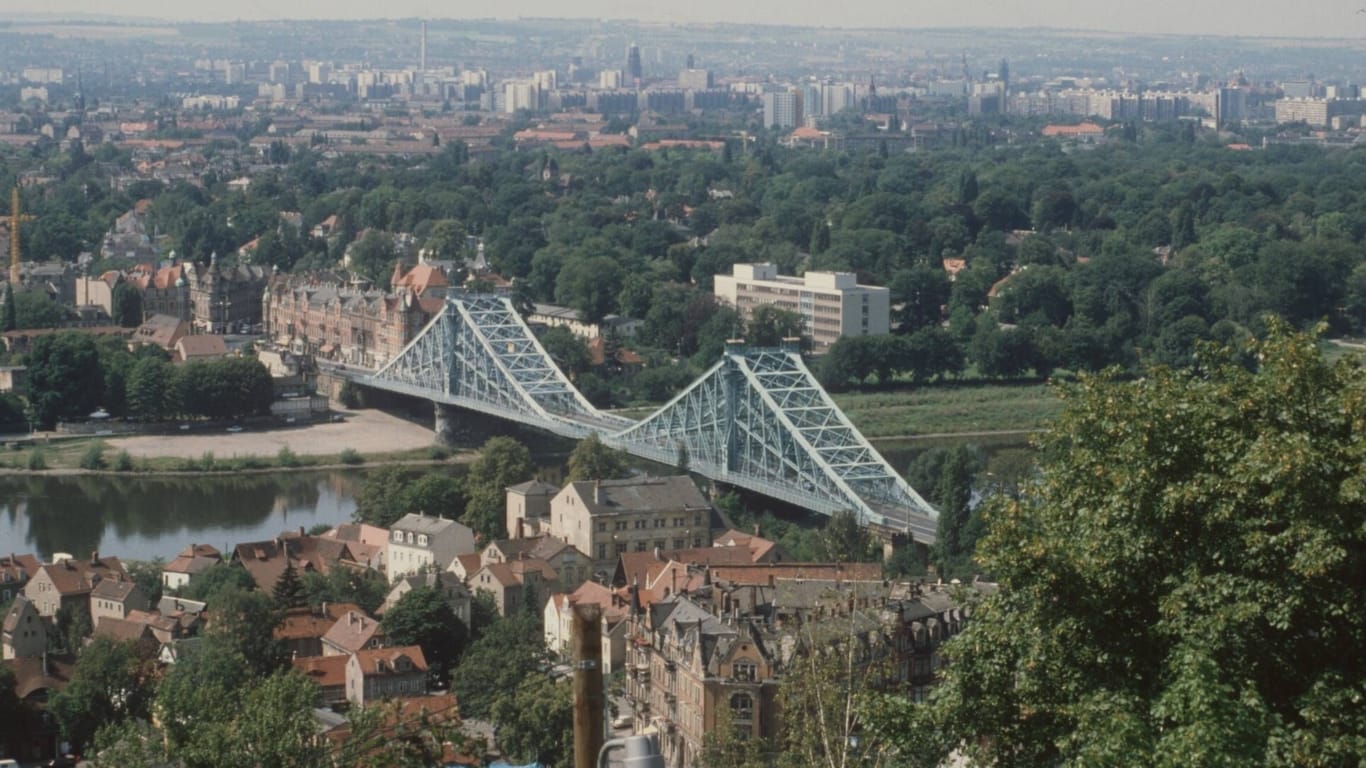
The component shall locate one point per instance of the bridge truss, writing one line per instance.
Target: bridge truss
(758, 419)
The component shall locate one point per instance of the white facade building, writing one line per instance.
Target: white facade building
(832, 303)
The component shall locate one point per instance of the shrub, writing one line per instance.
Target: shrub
(93, 458)
(123, 462)
(286, 457)
(438, 453)
(206, 462)
(37, 461)
(351, 456)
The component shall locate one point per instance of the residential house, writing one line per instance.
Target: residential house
(24, 633)
(353, 632)
(571, 566)
(164, 629)
(188, 349)
(528, 508)
(760, 550)
(514, 584)
(301, 630)
(114, 598)
(69, 582)
(385, 673)
(192, 561)
(162, 331)
(368, 543)
(329, 673)
(613, 610)
(266, 560)
(465, 566)
(15, 572)
(450, 586)
(127, 631)
(188, 614)
(418, 542)
(605, 518)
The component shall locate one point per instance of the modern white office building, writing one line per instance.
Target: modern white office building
(833, 303)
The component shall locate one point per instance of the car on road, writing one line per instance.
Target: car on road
(234, 428)
(622, 722)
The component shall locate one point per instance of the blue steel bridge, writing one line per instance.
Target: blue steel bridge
(758, 419)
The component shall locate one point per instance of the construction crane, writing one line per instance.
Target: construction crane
(15, 217)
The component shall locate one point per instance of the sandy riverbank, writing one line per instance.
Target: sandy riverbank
(368, 431)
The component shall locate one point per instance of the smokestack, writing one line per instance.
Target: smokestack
(422, 50)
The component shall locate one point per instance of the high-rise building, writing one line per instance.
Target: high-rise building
(422, 50)
(633, 62)
(1003, 74)
(782, 109)
(832, 304)
(695, 79)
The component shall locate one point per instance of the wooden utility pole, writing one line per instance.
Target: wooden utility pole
(15, 216)
(588, 696)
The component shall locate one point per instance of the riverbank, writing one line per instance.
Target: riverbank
(362, 438)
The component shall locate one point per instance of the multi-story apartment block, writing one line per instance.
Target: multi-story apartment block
(605, 518)
(691, 655)
(421, 542)
(782, 109)
(833, 304)
(327, 319)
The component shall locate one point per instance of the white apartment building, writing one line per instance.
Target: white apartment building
(832, 303)
(419, 542)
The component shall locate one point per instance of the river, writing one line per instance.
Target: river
(145, 517)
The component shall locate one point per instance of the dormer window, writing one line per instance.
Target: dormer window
(422, 540)
(398, 536)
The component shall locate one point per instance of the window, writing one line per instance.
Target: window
(422, 540)
(640, 546)
(398, 536)
(680, 543)
(410, 537)
(659, 544)
(602, 527)
(745, 670)
(602, 551)
(742, 708)
(679, 522)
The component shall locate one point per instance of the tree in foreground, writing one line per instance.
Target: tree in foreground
(1181, 586)
(535, 721)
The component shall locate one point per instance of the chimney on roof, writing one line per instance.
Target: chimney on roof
(94, 557)
(301, 531)
(756, 529)
(659, 555)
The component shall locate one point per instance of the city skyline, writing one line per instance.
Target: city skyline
(1314, 19)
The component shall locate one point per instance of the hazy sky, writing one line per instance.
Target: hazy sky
(1309, 18)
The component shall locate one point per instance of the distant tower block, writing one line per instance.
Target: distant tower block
(692, 63)
(633, 62)
(422, 50)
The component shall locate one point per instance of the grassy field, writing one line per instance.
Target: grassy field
(950, 410)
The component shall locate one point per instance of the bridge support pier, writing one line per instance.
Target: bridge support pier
(445, 424)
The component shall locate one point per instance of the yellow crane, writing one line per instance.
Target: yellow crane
(15, 217)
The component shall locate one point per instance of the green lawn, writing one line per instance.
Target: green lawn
(949, 409)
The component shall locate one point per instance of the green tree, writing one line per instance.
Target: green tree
(364, 587)
(373, 256)
(590, 285)
(422, 617)
(245, 622)
(388, 735)
(845, 540)
(34, 309)
(534, 722)
(1176, 587)
(769, 325)
(289, 589)
(126, 306)
(509, 651)
(502, 462)
(960, 524)
(109, 684)
(150, 390)
(222, 577)
(591, 460)
(275, 724)
(567, 350)
(65, 380)
(11, 316)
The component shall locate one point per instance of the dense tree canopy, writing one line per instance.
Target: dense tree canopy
(1180, 585)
